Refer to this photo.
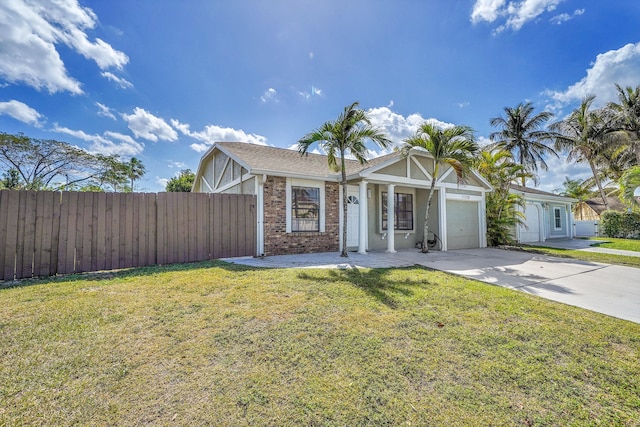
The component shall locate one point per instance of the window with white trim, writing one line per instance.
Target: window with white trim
(305, 209)
(305, 205)
(557, 219)
(402, 212)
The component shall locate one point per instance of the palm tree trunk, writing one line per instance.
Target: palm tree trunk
(344, 207)
(425, 244)
(599, 184)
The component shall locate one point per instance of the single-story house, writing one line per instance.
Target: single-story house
(299, 200)
(547, 215)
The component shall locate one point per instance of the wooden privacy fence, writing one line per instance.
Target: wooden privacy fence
(44, 233)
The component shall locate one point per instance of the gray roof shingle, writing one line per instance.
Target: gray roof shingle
(290, 162)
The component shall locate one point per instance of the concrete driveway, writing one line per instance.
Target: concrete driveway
(607, 289)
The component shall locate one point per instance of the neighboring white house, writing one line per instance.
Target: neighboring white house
(547, 215)
(299, 199)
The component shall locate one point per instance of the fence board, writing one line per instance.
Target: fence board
(43, 238)
(11, 235)
(45, 233)
(4, 213)
(100, 219)
(63, 240)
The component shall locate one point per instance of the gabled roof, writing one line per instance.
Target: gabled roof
(540, 194)
(281, 161)
(598, 206)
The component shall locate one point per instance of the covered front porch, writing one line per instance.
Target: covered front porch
(386, 207)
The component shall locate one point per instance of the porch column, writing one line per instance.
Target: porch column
(363, 220)
(391, 244)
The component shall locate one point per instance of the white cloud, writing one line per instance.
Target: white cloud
(397, 126)
(145, 125)
(516, 14)
(162, 181)
(105, 111)
(212, 133)
(463, 104)
(104, 144)
(564, 17)
(178, 165)
(621, 66)
(269, 95)
(31, 31)
(123, 83)
(553, 178)
(311, 55)
(315, 91)
(21, 111)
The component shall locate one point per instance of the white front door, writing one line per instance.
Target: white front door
(353, 215)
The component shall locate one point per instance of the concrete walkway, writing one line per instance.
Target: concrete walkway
(607, 289)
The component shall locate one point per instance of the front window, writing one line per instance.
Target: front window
(556, 219)
(305, 209)
(403, 211)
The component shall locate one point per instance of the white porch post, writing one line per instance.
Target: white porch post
(442, 217)
(391, 244)
(362, 218)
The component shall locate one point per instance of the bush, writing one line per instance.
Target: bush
(620, 224)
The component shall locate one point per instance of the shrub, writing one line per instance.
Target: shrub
(620, 224)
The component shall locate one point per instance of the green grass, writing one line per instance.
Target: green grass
(611, 243)
(623, 244)
(216, 344)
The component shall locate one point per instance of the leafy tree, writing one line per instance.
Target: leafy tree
(11, 180)
(582, 136)
(523, 134)
(181, 183)
(134, 170)
(39, 164)
(454, 146)
(346, 135)
(504, 208)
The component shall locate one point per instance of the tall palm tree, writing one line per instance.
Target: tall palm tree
(522, 133)
(582, 135)
(346, 135)
(454, 146)
(627, 114)
(135, 170)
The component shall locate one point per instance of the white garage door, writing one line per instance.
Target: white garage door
(530, 233)
(463, 228)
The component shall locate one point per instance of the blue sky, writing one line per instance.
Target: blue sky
(162, 80)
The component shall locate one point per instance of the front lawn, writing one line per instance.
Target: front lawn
(629, 261)
(613, 243)
(216, 344)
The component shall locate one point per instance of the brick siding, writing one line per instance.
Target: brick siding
(276, 239)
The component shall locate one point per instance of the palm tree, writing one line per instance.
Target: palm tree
(453, 146)
(582, 136)
(346, 135)
(504, 208)
(577, 189)
(522, 133)
(629, 182)
(135, 170)
(627, 113)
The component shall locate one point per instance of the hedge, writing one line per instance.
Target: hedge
(620, 224)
